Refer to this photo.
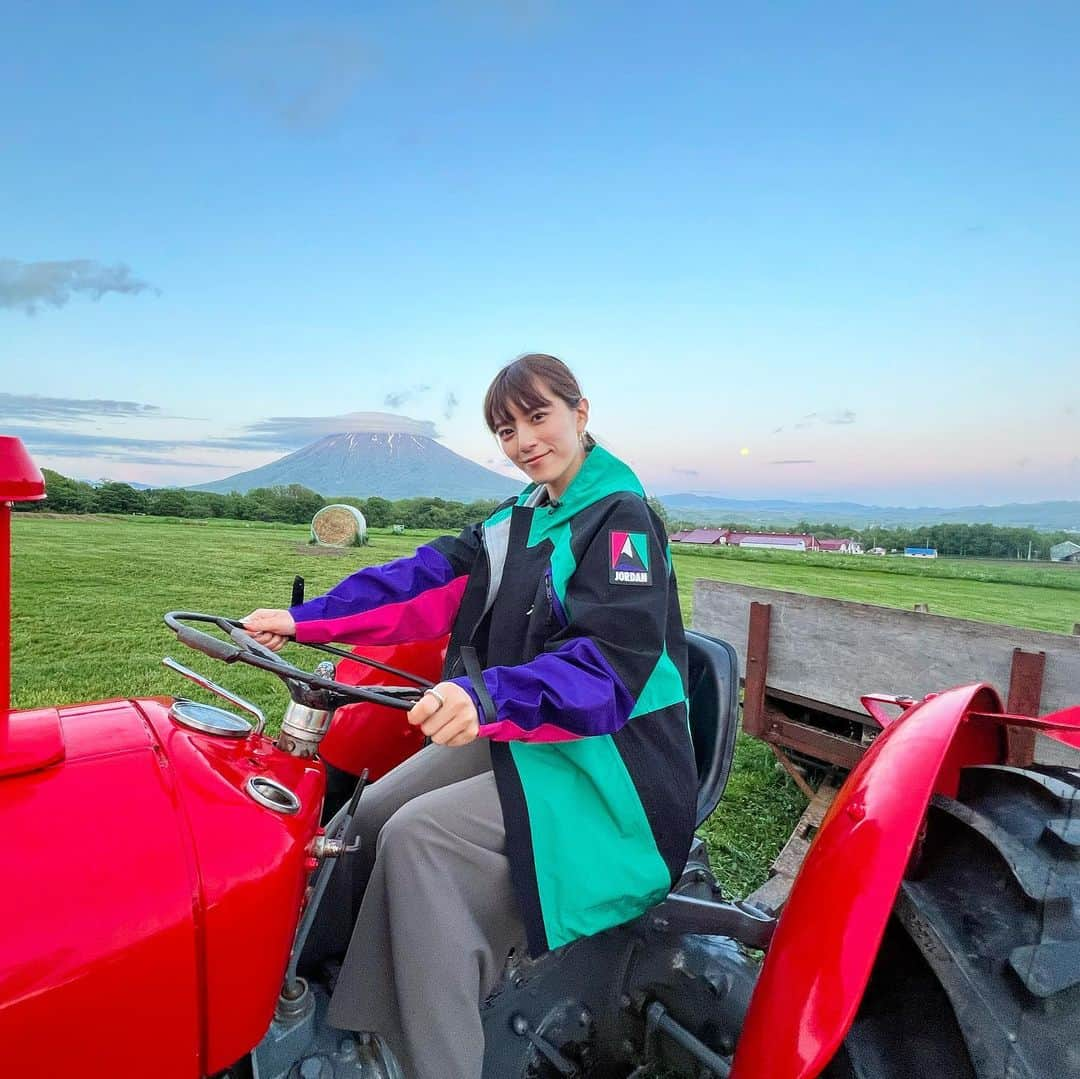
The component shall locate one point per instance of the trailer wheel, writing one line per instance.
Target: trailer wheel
(979, 972)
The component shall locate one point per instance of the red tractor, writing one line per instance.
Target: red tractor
(163, 863)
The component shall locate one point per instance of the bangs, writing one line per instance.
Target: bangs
(515, 387)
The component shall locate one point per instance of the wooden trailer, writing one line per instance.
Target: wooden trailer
(804, 662)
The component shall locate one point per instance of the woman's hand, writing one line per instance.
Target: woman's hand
(271, 628)
(454, 722)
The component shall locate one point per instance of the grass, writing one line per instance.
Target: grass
(89, 593)
(1038, 597)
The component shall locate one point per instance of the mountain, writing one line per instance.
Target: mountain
(1046, 516)
(380, 463)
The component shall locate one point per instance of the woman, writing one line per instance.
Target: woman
(558, 797)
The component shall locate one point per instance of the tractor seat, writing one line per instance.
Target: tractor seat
(713, 691)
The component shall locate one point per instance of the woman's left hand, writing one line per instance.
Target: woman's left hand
(451, 723)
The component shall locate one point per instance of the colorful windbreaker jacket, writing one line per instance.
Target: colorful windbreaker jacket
(573, 611)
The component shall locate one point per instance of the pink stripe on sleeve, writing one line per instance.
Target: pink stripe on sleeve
(505, 731)
(419, 619)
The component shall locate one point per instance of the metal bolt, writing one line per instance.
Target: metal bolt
(310, 1068)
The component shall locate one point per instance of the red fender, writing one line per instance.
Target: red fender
(828, 936)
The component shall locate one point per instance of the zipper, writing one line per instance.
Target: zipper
(554, 603)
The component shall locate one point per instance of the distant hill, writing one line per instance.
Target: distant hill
(1045, 516)
(363, 464)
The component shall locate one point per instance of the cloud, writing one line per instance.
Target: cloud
(686, 471)
(32, 408)
(128, 457)
(27, 286)
(303, 75)
(278, 433)
(795, 461)
(43, 441)
(397, 398)
(50, 440)
(835, 416)
(450, 405)
(289, 432)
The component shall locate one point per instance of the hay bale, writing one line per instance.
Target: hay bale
(339, 526)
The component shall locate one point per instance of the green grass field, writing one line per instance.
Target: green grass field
(89, 594)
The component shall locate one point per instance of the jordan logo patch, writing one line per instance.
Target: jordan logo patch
(629, 558)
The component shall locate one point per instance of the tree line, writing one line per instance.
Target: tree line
(295, 504)
(292, 504)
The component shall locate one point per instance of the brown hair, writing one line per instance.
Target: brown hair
(522, 383)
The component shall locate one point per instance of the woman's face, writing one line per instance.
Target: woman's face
(545, 443)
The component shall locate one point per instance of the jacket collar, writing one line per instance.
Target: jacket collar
(601, 474)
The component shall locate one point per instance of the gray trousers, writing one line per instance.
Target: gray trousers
(438, 914)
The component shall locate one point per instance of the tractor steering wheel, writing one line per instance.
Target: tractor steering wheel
(312, 690)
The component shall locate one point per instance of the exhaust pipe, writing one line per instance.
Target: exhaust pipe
(20, 481)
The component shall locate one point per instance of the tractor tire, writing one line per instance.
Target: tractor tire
(979, 971)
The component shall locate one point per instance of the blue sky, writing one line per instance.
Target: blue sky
(842, 237)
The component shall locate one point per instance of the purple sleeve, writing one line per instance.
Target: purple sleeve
(558, 696)
(412, 598)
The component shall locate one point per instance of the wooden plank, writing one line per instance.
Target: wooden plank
(834, 650)
(1051, 751)
(1025, 696)
(791, 857)
(804, 738)
(772, 895)
(797, 777)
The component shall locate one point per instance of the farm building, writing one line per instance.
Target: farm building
(920, 552)
(1065, 552)
(840, 546)
(780, 541)
(711, 537)
(777, 541)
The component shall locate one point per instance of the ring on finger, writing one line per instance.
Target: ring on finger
(437, 695)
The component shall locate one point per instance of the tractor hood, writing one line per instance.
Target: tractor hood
(150, 899)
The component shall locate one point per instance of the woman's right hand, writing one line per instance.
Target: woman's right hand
(270, 627)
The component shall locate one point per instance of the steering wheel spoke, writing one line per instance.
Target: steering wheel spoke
(304, 687)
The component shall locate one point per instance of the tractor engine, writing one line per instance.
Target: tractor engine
(154, 860)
